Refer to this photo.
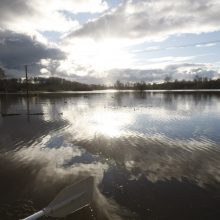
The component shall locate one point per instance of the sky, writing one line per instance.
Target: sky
(101, 41)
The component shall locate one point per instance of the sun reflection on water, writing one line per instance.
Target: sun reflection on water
(121, 140)
(109, 123)
(99, 120)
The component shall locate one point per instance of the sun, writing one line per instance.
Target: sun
(108, 55)
(98, 55)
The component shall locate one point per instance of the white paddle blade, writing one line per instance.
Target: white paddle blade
(71, 199)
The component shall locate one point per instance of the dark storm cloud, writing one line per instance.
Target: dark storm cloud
(19, 49)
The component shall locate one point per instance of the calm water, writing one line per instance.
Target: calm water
(154, 155)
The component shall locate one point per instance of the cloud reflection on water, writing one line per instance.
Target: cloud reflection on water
(47, 173)
(136, 137)
(157, 136)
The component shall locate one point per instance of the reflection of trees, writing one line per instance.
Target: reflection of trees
(141, 95)
(118, 98)
(169, 98)
(173, 100)
(6, 102)
(16, 128)
(130, 98)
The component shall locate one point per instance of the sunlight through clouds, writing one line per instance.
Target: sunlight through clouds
(95, 40)
(101, 56)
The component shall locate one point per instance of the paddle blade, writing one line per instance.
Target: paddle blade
(71, 198)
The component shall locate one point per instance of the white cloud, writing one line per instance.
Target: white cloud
(154, 20)
(178, 70)
(206, 45)
(40, 15)
(157, 48)
(99, 51)
(170, 59)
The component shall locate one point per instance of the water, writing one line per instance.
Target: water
(154, 155)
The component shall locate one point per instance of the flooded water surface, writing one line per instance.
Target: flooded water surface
(154, 155)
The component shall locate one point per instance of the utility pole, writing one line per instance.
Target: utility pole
(28, 108)
(26, 74)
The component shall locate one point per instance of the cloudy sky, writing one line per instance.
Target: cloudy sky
(99, 41)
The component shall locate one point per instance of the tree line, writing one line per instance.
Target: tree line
(197, 83)
(53, 84)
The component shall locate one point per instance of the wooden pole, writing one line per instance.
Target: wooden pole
(26, 74)
(27, 92)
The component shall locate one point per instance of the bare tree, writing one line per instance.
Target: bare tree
(118, 85)
(141, 86)
(3, 78)
(197, 78)
(2, 73)
(168, 79)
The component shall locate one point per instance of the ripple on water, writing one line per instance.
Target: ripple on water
(151, 154)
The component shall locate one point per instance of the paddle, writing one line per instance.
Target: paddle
(69, 200)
